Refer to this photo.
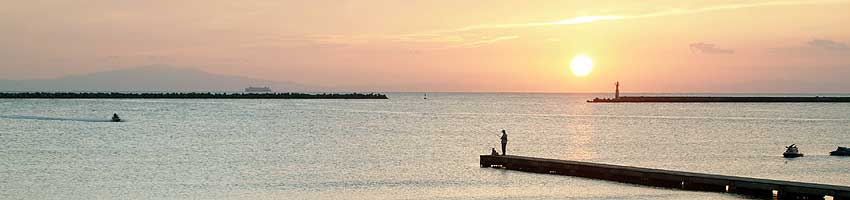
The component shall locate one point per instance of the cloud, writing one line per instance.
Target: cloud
(814, 47)
(678, 11)
(485, 34)
(572, 21)
(485, 42)
(456, 35)
(828, 45)
(709, 49)
(657, 13)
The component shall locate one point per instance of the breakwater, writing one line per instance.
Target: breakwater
(696, 99)
(669, 178)
(189, 95)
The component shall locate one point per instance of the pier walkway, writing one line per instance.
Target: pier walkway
(668, 178)
(707, 99)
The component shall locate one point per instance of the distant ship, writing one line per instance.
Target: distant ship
(258, 89)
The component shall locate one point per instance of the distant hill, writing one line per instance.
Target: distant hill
(150, 78)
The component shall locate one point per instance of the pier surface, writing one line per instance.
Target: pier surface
(190, 95)
(668, 178)
(696, 99)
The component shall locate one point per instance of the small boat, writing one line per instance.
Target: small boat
(792, 152)
(115, 118)
(841, 151)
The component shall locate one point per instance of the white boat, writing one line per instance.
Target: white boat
(792, 152)
(257, 89)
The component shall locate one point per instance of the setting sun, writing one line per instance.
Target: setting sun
(581, 65)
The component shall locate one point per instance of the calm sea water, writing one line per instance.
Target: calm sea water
(402, 148)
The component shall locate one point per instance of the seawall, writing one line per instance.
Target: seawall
(190, 95)
(697, 99)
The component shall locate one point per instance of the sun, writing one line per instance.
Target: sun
(581, 65)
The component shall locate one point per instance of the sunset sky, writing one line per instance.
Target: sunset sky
(434, 45)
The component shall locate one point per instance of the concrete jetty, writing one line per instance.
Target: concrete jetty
(715, 99)
(669, 178)
(718, 99)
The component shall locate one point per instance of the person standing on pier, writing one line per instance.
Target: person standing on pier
(504, 141)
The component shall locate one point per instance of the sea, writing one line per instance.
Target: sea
(404, 147)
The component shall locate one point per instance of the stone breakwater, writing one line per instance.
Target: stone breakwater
(189, 95)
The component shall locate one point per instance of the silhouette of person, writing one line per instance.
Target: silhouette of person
(493, 152)
(504, 141)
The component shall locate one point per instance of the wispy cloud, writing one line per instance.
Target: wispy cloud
(460, 39)
(485, 42)
(577, 20)
(455, 36)
(709, 49)
(677, 11)
(659, 13)
(485, 34)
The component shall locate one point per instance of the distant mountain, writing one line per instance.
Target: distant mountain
(152, 79)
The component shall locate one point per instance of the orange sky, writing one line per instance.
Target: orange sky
(431, 45)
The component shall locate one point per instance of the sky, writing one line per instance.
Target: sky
(724, 46)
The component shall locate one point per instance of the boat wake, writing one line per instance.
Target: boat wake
(53, 118)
